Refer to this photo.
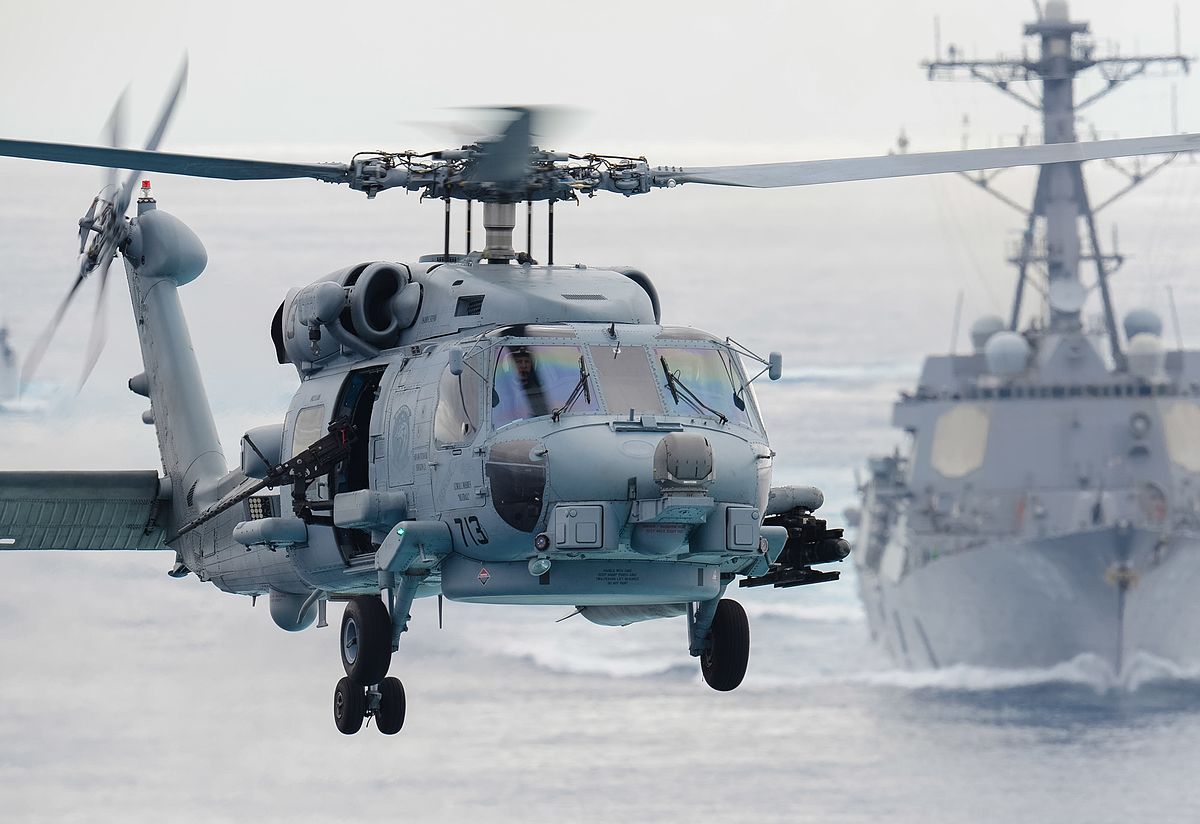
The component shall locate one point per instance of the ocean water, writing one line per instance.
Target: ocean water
(128, 696)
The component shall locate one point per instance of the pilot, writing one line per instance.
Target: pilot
(527, 378)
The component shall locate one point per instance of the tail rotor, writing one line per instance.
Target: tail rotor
(102, 231)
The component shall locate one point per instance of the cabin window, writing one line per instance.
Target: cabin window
(309, 426)
(531, 381)
(626, 380)
(705, 383)
(457, 417)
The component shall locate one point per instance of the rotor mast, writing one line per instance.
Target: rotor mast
(1061, 199)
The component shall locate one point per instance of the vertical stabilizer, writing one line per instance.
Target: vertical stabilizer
(162, 255)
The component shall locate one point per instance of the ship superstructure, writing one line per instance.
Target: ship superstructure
(1049, 504)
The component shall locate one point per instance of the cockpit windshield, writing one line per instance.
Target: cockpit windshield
(704, 382)
(532, 380)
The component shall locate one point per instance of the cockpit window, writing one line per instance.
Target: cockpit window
(703, 382)
(457, 417)
(626, 379)
(540, 379)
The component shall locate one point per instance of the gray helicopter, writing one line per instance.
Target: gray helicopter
(477, 427)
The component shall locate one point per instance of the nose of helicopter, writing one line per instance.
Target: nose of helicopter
(665, 484)
(589, 463)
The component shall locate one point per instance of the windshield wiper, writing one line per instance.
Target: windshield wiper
(679, 389)
(581, 388)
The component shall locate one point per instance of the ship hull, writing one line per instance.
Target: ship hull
(1120, 594)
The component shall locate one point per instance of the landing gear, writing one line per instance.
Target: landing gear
(723, 659)
(353, 704)
(365, 692)
(366, 640)
(349, 706)
(389, 717)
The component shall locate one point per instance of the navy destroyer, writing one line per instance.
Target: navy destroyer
(1047, 506)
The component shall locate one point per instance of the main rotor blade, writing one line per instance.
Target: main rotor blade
(808, 172)
(223, 168)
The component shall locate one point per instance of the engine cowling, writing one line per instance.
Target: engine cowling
(362, 309)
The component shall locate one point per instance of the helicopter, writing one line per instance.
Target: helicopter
(480, 427)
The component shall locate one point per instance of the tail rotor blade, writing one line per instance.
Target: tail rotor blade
(156, 136)
(99, 326)
(114, 130)
(38, 351)
(168, 109)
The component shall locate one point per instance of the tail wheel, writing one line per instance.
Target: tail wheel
(366, 640)
(349, 706)
(724, 662)
(389, 718)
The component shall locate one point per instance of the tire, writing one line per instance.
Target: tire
(389, 718)
(349, 707)
(366, 640)
(724, 662)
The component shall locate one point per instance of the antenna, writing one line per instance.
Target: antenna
(1178, 49)
(1175, 318)
(937, 33)
(1056, 34)
(954, 328)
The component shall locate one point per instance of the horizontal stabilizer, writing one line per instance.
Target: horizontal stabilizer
(81, 510)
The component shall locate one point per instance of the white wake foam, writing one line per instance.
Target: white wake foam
(1084, 670)
(1145, 669)
(847, 613)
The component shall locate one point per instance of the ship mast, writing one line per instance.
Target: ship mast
(1061, 199)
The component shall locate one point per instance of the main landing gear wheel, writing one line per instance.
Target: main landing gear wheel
(724, 662)
(389, 718)
(349, 707)
(366, 640)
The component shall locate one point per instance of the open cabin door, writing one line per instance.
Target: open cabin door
(356, 402)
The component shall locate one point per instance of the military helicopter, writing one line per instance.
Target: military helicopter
(477, 427)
